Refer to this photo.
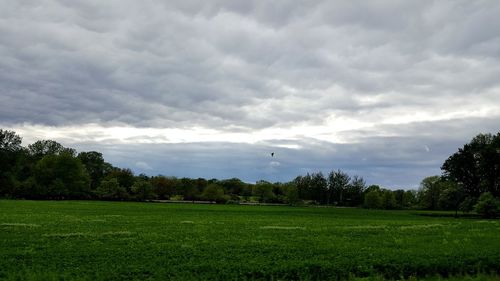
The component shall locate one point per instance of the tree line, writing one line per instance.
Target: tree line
(48, 170)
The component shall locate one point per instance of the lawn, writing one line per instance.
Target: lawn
(91, 240)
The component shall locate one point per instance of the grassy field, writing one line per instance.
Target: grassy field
(86, 240)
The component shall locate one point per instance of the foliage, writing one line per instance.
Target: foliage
(10, 149)
(430, 189)
(292, 194)
(111, 190)
(452, 195)
(39, 171)
(214, 192)
(42, 148)
(164, 187)
(263, 190)
(476, 166)
(61, 176)
(354, 192)
(467, 204)
(95, 166)
(9, 141)
(488, 206)
(143, 190)
(338, 182)
(373, 200)
(125, 177)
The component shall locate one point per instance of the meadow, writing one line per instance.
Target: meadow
(92, 240)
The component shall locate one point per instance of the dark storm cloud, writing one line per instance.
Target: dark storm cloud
(161, 64)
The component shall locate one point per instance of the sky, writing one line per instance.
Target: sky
(386, 90)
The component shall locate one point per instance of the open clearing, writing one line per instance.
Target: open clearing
(86, 240)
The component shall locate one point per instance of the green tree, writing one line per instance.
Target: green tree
(214, 192)
(451, 196)
(429, 192)
(111, 190)
(42, 148)
(233, 186)
(388, 199)
(409, 199)
(10, 149)
(125, 177)
(61, 176)
(263, 190)
(338, 182)
(476, 166)
(373, 200)
(188, 188)
(95, 166)
(319, 188)
(143, 190)
(467, 204)
(488, 206)
(164, 187)
(9, 141)
(354, 192)
(291, 193)
(303, 184)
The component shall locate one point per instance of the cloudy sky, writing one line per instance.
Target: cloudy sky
(383, 89)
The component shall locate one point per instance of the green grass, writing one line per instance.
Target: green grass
(86, 240)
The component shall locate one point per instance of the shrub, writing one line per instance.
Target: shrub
(111, 190)
(488, 206)
(373, 200)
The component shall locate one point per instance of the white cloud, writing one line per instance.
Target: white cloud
(143, 166)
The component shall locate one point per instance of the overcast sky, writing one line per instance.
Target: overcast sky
(383, 89)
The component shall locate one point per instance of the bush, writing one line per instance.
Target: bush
(488, 206)
(143, 190)
(467, 205)
(111, 190)
(215, 192)
(373, 200)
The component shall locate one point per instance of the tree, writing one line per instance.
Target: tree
(451, 196)
(467, 204)
(409, 199)
(303, 184)
(488, 206)
(388, 199)
(164, 187)
(429, 192)
(9, 141)
(399, 195)
(263, 190)
(111, 190)
(41, 148)
(143, 190)
(354, 192)
(125, 177)
(214, 192)
(233, 186)
(373, 200)
(95, 165)
(291, 193)
(61, 176)
(476, 166)
(319, 188)
(10, 149)
(338, 183)
(188, 188)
